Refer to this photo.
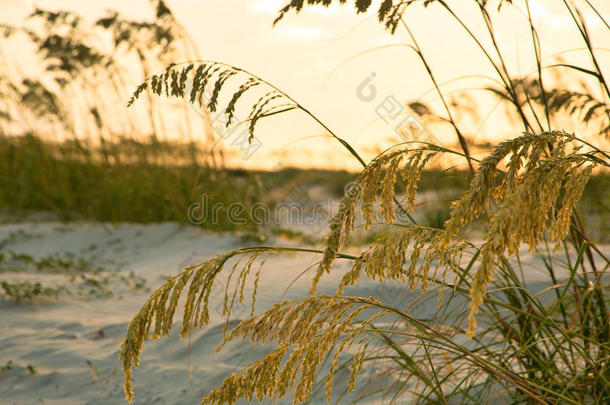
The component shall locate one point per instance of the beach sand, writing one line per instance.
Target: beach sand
(64, 350)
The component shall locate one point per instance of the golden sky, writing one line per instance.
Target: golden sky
(315, 57)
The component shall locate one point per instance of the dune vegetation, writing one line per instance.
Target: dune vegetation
(493, 335)
(469, 325)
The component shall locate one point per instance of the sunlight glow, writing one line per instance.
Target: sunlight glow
(538, 10)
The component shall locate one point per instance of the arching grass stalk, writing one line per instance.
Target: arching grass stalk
(173, 82)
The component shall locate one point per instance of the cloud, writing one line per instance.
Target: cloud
(267, 6)
(301, 32)
(273, 6)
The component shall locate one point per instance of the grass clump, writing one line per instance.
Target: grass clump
(28, 291)
(495, 334)
(72, 277)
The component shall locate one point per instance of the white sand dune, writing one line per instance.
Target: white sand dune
(72, 343)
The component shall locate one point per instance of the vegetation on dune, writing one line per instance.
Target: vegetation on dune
(527, 343)
(131, 181)
(493, 334)
(127, 180)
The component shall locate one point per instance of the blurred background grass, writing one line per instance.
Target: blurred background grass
(147, 181)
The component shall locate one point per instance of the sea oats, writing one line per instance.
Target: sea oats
(549, 184)
(306, 331)
(158, 311)
(387, 191)
(340, 226)
(524, 151)
(173, 83)
(390, 259)
(579, 103)
(365, 190)
(524, 192)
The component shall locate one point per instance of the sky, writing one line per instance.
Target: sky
(328, 59)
